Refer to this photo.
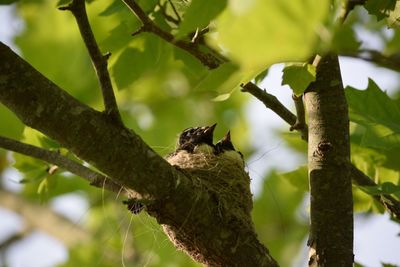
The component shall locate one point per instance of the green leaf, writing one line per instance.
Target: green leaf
(199, 14)
(384, 188)
(379, 114)
(259, 33)
(63, 2)
(298, 178)
(345, 39)
(260, 77)
(380, 8)
(10, 125)
(298, 76)
(136, 62)
(223, 78)
(390, 188)
(114, 7)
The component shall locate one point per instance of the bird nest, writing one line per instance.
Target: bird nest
(225, 179)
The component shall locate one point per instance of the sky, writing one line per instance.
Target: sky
(375, 234)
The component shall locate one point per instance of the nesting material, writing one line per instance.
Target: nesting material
(218, 173)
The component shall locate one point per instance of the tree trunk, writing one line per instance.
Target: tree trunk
(331, 233)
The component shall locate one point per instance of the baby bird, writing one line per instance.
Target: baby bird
(224, 148)
(197, 140)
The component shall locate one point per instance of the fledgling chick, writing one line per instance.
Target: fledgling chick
(197, 140)
(224, 148)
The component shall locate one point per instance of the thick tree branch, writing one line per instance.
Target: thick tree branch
(89, 134)
(174, 197)
(78, 9)
(209, 58)
(95, 178)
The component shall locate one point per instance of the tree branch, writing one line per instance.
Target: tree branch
(188, 206)
(271, 102)
(95, 178)
(300, 124)
(210, 58)
(78, 9)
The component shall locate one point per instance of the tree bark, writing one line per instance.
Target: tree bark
(331, 233)
(173, 197)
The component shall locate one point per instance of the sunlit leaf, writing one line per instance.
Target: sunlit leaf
(10, 125)
(379, 114)
(262, 32)
(199, 14)
(222, 97)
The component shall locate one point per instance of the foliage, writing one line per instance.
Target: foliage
(162, 90)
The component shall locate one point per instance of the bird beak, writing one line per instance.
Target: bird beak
(227, 136)
(210, 129)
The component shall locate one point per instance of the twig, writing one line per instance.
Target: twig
(210, 58)
(95, 178)
(78, 9)
(300, 124)
(271, 102)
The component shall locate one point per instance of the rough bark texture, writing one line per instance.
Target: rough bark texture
(174, 196)
(331, 234)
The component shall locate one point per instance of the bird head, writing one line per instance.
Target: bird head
(191, 139)
(225, 148)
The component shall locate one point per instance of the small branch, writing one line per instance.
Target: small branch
(78, 9)
(300, 124)
(95, 179)
(210, 59)
(271, 102)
